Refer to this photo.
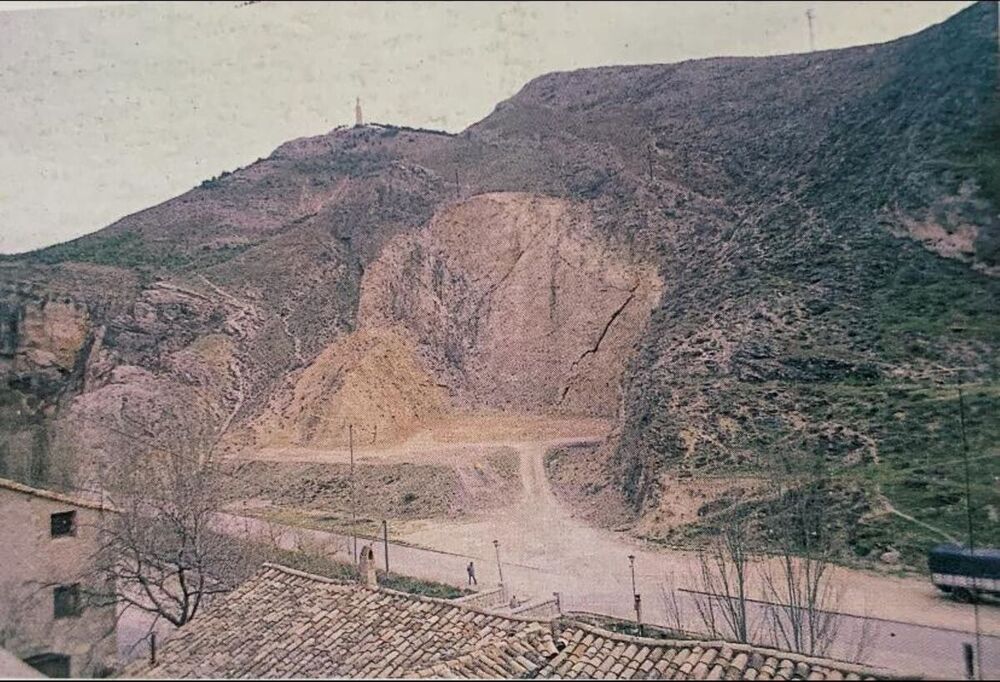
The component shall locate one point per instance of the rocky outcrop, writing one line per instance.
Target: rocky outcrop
(506, 301)
(41, 341)
(43, 348)
(516, 303)
(370, 379)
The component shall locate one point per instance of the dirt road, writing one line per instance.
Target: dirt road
(543, 549)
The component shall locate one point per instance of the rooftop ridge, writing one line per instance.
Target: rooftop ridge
(741, 647)
(53, 495)
(351, 585)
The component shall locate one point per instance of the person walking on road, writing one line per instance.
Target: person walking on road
(471, 570)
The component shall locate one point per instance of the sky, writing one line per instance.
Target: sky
(109, 108)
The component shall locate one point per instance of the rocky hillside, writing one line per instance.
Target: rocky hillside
(751, 265)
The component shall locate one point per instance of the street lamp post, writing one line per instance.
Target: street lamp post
(636, 598)
(496, 547)
(385, 544)
(638, 613)
(631, 563)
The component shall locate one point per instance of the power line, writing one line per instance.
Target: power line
(972, 542)
(354, 511)
(842, 475)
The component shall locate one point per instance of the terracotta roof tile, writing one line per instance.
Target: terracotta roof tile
(283, 623)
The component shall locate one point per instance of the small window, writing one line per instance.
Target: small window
(63, 524)
(66, 601)
(50, 665)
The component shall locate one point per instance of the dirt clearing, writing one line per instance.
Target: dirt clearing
(318, 494)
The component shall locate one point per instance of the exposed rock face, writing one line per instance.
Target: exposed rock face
(516, 302)
(41, 341)
(962, 226)
(369, 378)
(43, 350)
(51, 334)
(504, 301)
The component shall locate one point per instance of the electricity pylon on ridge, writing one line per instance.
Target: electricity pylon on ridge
(810, 17)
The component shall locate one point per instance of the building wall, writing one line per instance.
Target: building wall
(485, 599)
(33, 562)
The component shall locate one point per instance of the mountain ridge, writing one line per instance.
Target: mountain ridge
(792, 210)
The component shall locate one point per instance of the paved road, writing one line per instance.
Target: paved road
(906, 647)
(544, 549)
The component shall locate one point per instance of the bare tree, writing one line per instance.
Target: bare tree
(786, 553)
(723, 574)
(159, 552)
(674, 615)
(866, 635)
(798, 581)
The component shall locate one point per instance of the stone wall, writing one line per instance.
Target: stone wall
(486, 599)
(542, 610)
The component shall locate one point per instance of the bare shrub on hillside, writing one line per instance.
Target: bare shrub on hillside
(723, 573)
(798, 580)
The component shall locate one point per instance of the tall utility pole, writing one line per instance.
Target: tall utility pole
(496, 546)
(968, 519)
(385, 544)
(354, 509)
(957, 373)
(810, 16)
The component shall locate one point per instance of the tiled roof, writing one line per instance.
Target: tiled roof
(74, 500)
(591, 652)
(283, 623)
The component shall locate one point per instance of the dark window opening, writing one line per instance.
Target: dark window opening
(63, 523)
(66, 602)
(50, 665)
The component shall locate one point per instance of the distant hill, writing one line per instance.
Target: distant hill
(751, 265)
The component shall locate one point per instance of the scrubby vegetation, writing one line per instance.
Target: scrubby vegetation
(129, 250)
(317, 564)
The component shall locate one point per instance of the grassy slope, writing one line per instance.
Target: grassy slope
(842, 366)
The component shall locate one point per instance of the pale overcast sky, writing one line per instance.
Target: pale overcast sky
(113, 107)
